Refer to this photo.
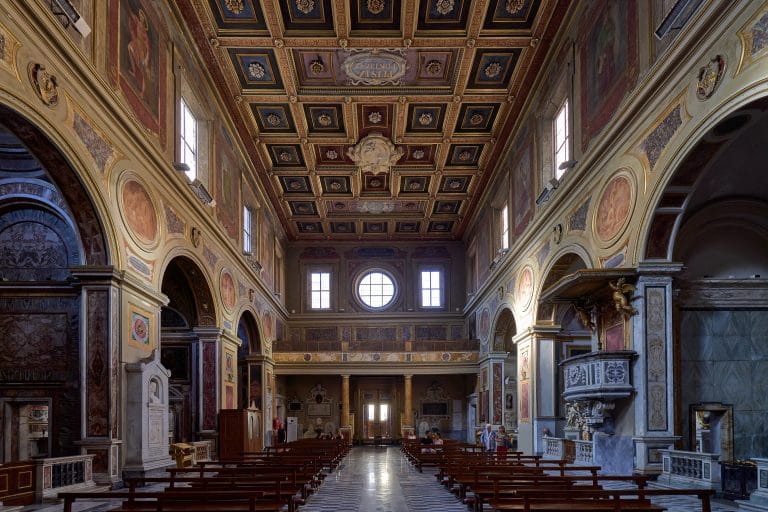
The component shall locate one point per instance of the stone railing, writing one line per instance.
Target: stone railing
(690, 468)
(63, 474)
(600, 376)
(553, 447)
(585, 453)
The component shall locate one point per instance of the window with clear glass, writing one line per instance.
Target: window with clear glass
(504, 227)
(376, 289)
(561, 139)
(320, 290)
(188, 140)
(431, 289)
(247, 240)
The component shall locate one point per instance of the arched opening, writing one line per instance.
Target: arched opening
(192, 406)
(51, 246)
(503, 337)
(712, 218)
(250, 376)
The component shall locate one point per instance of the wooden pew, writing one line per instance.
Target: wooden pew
(595, 499)
(179, 500)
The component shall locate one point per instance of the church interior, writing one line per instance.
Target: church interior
(377, 219)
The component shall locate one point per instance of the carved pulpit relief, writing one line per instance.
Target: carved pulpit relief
(146, 443)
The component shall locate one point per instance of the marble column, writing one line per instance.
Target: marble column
(407, 421)
(526, 391)
(345, 427)
(653, 374)
(546, 370)
(209, 389)
(100, 379)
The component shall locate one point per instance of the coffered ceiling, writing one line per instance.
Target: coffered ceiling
(432, 88)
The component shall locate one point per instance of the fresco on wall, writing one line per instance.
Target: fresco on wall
(227, 184)
(614, 208)
(524, 290)
(266, 247)
(608, 62)
(139, 211)
(137, 63)
(523, 182)
(227, 290)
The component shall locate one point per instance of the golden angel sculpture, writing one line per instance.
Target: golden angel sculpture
(620, 289)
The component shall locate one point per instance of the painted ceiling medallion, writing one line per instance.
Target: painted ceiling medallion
(465, 156)
(514, 6)
(273, 119)
(444, 7)
(375, 117)
(317, 66)
(375, 153)
(331, 154)
(324, 119)
(476, 119)
(434, 67)
(418, 154)
(256, 70)
(375, 6)
(305, 6)
(493, 69)
(425, 119)
(234, 6)
(45, 84)
(285, 156)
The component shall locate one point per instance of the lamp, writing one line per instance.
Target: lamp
(181, 167)
(568, 164)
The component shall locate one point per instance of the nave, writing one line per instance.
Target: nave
(380, 479)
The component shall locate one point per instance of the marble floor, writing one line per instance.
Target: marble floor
(379, 479)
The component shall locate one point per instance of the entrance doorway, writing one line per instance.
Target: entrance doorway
(25, 429)
(377, 417)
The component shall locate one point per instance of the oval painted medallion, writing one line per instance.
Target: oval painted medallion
(614, 208)
(139, 211)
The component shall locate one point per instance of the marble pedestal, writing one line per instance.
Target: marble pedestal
(758, 500)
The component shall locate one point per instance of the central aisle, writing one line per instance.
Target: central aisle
(379, 479)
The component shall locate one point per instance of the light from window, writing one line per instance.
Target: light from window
(188, 140)
(383, 412)
(430, 289)
(247, 241)
(320, 287)
(376, 289)
(561, 140)
(505, 228)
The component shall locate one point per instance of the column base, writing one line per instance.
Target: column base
(648, 457)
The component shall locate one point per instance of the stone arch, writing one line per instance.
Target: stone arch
(569, 261)
(695, 175)
(55, 245)
(250, 361)
(87, 219)
(504, 331)
(710, 215)
(189, 290)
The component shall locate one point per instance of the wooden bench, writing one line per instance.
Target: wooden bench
(177, 500)
(595, 499)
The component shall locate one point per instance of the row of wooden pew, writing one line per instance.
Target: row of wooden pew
(269, 481)
(518, 482)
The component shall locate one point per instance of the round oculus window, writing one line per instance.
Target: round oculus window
(376, 290)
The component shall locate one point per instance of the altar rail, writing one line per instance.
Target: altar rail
(579, 452)
(690, 468)
(63, 474)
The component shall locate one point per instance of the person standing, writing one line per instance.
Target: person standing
(502, 442)
(488, 438)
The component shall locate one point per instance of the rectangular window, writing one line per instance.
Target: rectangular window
(561, 140)
(431, 289)
(188, 140)
(247, 240)
(505, 227)
(320, 290)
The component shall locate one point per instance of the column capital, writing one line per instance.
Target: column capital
(659, 268)
(208, 333)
